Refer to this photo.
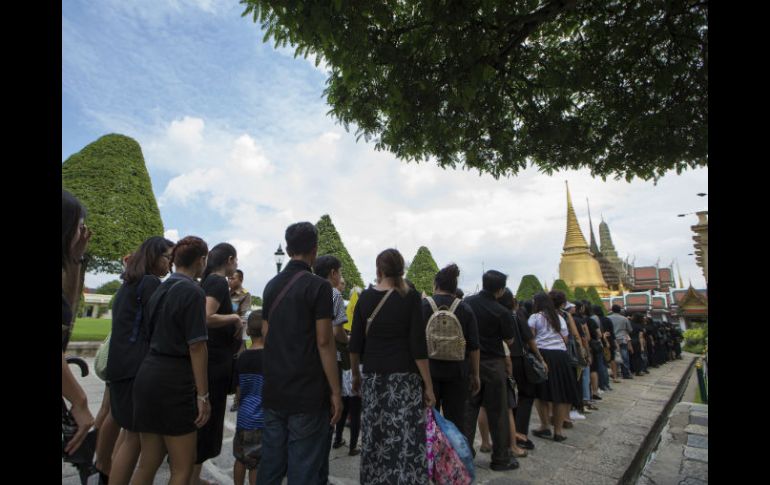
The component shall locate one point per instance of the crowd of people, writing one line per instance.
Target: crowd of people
(178, 349)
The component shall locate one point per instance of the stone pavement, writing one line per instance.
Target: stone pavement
(682, 455)
(597, 451)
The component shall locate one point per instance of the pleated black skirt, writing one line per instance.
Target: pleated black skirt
(561, 386)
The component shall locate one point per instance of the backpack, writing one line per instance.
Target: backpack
(444, 334)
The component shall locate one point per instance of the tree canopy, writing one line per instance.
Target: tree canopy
(109, 288)
(110, 178)
(423, 270)
(619, 87)
(330, 242)
(528, 288)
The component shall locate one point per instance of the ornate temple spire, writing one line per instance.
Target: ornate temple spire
(574, 238)
(594, 247)
(681, 284)
(605, 240)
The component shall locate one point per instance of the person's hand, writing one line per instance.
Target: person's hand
(336, 409)
(356, 383)
(79, 248)
(429, 398)
(475, 385)
(204, 412)
(238, 327)
(84, 420)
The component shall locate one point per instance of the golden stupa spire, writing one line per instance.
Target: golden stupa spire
(681, 285)
(574, 238)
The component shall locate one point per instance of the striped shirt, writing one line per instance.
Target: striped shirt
(338, 307)
(250, 379)
(545, 337)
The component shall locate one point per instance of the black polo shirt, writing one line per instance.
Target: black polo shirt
(294, 376)
(177, 311)
(495, 324)
(131, 332)
(445, 369)
(223, 342)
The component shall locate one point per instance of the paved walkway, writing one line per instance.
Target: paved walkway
(597, 451)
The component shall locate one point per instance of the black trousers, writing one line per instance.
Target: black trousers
(451, 398)
(350, 405)
(494, 397)
(523, 411)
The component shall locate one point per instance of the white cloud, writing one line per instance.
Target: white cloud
(171, 235)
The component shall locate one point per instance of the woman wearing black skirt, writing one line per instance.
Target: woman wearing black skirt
(225, 335)
(560, 390)
(129, 343)
(171, 396)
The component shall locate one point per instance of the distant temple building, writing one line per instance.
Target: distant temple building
(647, 289)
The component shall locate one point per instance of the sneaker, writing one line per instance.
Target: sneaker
(511, 465)
(573, 415)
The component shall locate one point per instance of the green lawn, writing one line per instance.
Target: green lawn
(91, 329)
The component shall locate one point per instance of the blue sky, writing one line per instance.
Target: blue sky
(238, 145)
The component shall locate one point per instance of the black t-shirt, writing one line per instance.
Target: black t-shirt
(444, 369)
(131, 332)
(66, 322)
(521, 338)
(495, 324)
(396, 336)
(294, 377)
(178, 313)
(249, 362)
(592, 328)
(223, 342)
(579, 321)
(607, 326)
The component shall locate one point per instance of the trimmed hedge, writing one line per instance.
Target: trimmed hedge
(593, 296)
(423, 271)
(528, 288)
(561, 285)
(330, 242)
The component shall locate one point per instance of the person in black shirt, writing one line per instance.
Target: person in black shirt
(225, 330)
(301, 396)
(74, 241)
(596, 349)
(495, 326)
(523, 337)
(171, 393)
(130, 342)
(389, 333)
(453, 380)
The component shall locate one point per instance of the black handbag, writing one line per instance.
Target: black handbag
(534, 370)
(573, 353)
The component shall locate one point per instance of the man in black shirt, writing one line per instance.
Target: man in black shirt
(301, 387)
(495, 325)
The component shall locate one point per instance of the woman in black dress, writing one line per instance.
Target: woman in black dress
(171, 395)
(637, 335)
(74, 241)
(225, 337)
(130, 342)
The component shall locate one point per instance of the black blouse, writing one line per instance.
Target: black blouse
(222, 341)
(396, 337)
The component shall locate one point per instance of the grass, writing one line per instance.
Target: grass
(91, 329)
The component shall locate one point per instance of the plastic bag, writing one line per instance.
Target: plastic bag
(100, 361)
(459, 445)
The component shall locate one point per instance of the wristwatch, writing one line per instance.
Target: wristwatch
(204, 398)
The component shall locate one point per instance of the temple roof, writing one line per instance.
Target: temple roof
(574, 238)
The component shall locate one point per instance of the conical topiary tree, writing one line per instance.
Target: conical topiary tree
(593, 296)
(423, 271)
(330, 242)
(580, 294)
(110, 179)
(528, 287)
(560, 285)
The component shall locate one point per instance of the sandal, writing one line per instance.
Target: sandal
(519, 454)
(545, 433)
(567, 425)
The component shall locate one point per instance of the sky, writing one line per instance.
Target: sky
(237, 140)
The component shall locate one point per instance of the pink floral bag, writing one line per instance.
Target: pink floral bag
(444, 464)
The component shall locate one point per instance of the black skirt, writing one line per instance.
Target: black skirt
(164, 396)
(122, 403)
(561, 386)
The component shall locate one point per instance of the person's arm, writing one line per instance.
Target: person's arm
(475, 351)
(328, 352)
(532, 324)
(533, 348)
(213, 320)
(356, 347)
(355, 371)
(508, 366)
(340, 335)
(475, 358)
(72, 392)
(199, 358)
(428, 397)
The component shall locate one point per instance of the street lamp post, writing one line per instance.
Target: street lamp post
(279, 259)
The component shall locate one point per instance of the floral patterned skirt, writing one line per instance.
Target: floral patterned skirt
(393, 430)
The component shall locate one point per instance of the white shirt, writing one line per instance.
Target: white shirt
(545, 337)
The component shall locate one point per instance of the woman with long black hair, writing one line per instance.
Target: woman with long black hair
(560, 390)
(130, 342)
(225, 334)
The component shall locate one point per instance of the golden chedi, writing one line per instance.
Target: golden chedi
(578, 268)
